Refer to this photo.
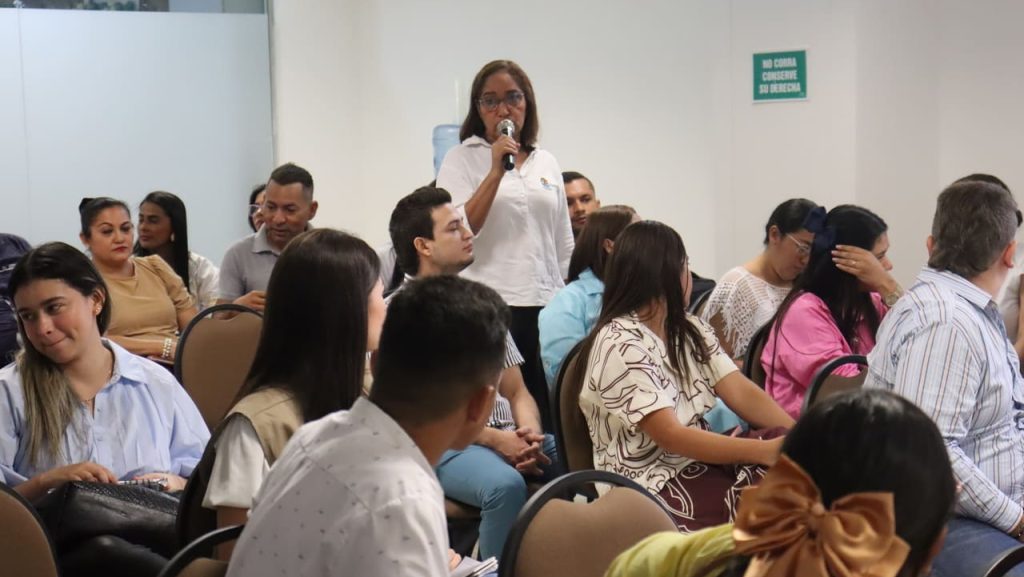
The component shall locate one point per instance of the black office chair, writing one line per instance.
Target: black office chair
(825, 384)
(192, 561)
(697, 303)
(752, 368)
(1008, 561)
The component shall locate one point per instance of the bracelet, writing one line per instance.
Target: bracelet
(1018, 530)
(166, 353)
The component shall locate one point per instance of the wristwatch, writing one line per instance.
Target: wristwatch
(891, 298)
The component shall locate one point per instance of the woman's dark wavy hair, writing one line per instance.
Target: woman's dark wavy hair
(647, 265)
(896, 448)
(841, 292)
(174, 208)
(606, 223)
(473, 125)
(313, 342)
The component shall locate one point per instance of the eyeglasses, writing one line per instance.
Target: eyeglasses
(254, 208)
(1020, 218)
(801, 247)
(490, 103)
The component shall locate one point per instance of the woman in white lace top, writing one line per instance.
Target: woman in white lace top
(747, 296)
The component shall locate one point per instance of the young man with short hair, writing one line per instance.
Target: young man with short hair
(431, 239)
(582, 199)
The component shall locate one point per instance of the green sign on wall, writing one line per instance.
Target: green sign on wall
(780, 75)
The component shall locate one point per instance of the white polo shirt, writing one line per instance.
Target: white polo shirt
(523, 249)
(352, 494)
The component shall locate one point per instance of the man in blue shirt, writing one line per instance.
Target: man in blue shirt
(944, 347)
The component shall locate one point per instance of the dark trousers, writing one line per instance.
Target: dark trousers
(526, 333)
(110, 556)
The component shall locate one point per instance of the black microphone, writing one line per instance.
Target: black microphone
(507, 128)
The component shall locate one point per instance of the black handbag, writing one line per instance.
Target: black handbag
(78, 510)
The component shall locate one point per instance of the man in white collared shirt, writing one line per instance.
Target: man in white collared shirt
(355, 492)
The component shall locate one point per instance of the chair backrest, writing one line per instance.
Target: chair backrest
(572, 438)
(214, 355)
(189, 562)
(701, 288)
(825, 384)
(1010, 560)
(554, 535)
(26, 548)
(752, 367)
(698, 303)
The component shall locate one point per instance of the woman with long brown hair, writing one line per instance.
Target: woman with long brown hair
(571, 315)
(309, 362)
(653, 372)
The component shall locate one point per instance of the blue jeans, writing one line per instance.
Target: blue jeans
(971, 548)
(482, 478)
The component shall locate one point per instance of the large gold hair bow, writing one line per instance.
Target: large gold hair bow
(784, 526)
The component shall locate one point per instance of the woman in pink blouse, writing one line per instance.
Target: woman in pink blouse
(836, 304)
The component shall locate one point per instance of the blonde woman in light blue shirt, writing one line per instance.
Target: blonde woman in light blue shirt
(77, 407)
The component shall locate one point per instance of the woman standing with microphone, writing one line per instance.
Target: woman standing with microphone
(513, 198)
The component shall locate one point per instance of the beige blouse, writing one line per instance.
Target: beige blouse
(146, 304)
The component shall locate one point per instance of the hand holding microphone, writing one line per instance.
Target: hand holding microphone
(507, 128)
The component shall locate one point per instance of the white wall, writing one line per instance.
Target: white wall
(120, 104)
(360, 85)
(652, 100)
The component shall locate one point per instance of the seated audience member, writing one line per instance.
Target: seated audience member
(431, 239)
(570, 316)
(163, 230)
(835, 307)
(287, 208)
(356, 491)
(652, 373)
(256, 198)
(150, 305)
(1009, 296)
(881, 499)
(309, 362)
(747, 296)
(12, 247)
(79, 407)
(582, 200)
(944, 348)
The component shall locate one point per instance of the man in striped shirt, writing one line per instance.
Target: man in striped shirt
(431, 238)
(944, 347)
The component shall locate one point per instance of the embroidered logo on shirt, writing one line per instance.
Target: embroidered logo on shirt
(548, 184)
